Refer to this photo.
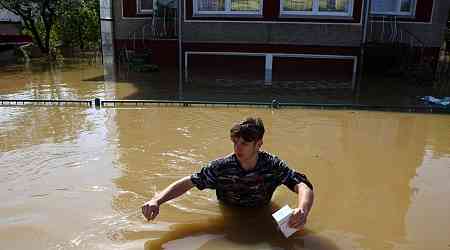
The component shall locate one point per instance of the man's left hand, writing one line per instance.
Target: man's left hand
(298, 218)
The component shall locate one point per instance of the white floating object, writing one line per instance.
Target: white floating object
(282, 218)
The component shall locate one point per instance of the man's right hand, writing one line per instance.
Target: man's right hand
(150, 209)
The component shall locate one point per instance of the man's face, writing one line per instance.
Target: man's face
(245, 150)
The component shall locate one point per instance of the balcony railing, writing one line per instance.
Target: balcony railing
(387, 29)
(163, 25)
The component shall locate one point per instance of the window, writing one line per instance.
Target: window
(393, 7)
(228, 7)
(144, 6)
(317, 7)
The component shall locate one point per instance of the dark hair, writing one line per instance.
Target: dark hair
(250, 129)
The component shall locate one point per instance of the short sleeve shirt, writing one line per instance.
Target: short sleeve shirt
(248, 188)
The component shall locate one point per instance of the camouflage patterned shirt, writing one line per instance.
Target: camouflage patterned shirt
(237, 186)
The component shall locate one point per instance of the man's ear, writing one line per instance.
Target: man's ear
(259, 143)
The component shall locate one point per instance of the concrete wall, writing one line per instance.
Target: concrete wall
(347, 35)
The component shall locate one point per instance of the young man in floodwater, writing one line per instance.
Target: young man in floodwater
(246, 178)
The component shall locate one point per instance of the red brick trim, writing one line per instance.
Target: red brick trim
(271, 48)
(15, 39)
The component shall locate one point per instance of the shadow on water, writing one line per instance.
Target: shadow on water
(164, 85)
(246, 227)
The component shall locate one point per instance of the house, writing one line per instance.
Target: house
(10, 31)
(276, 40)
(9, 23)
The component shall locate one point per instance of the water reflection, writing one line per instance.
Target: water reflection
(88, 78)
(246, 228)
(52, 81)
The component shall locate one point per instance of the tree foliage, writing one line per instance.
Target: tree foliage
(51, 22)
(79, 24)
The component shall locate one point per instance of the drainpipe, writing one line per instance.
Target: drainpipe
(365, 21)
(180, 50)
(107, 23)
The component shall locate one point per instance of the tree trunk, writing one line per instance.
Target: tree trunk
(31, 26)
(47, 39)
(47, 19)
(80, 37)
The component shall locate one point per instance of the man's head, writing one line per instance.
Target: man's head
(250, 129)
(247, 137)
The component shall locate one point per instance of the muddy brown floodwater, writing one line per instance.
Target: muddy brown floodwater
(75, 177)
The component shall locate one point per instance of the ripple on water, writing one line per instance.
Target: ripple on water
(176, 159)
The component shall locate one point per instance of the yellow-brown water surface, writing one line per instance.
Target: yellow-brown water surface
(75, 177)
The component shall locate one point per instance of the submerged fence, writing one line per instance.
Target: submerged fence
(274, 104)
(46, 102)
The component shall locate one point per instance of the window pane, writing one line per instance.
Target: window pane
(297, 5)
(146, 4)
(211, 5)
(383, 6)
(245, 5)
(334, 5)
(406, 5)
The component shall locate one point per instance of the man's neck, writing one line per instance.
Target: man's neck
(251, 163)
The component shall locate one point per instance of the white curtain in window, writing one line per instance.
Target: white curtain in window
(211, 5)
(318, 7)
(297, 5)
(245, 5)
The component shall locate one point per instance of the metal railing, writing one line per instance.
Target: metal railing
(387, 29)
(163, 25)
(45, 102)
(406, 47)
(274, 104)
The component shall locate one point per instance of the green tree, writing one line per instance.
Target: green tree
(79, 23)
(75, 23)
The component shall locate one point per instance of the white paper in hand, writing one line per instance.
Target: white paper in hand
(282, 217)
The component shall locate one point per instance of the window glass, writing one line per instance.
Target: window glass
(211, 5)
(392, 6)
(318, 7)
(383, 6)
(334, 5)
(297, 5)
(245, 5)
(406, 5)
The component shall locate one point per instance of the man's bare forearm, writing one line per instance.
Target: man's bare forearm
(174, 190)
(305, 197)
